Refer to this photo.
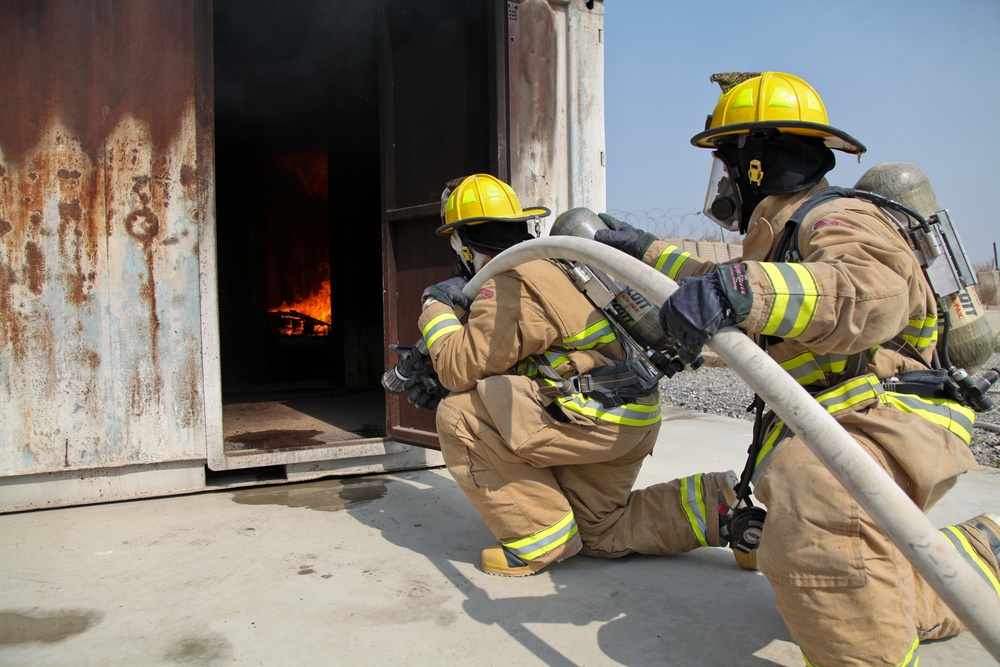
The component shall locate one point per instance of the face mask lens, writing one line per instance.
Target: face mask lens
(722, 202)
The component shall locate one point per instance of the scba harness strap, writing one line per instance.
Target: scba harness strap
(611, 385)
(923, 392)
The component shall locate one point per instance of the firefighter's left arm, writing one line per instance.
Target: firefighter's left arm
(852, 290)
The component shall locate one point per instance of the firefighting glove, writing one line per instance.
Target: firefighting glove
(624, 236)
(704, 304)
(448, 292)
(425, 389)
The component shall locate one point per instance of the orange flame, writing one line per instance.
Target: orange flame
(308, 317)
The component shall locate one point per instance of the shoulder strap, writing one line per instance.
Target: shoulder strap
(788, 248)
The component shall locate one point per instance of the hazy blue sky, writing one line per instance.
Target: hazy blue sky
(916, 81)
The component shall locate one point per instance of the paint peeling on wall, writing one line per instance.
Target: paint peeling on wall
(100, 353)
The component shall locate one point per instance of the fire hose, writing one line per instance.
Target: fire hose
(952, 578)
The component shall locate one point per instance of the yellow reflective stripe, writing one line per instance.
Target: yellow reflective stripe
(808, 368)
(849, 394)
(946, 413)
(546, 540)
(921, 333)
(796, 297)
(442, 325)
(627, 414)
(693, 501)
(965, 548)
(597, 333)
(942, 412)
(911, 659)
(529, 367)
(778, 433)
(671, 260)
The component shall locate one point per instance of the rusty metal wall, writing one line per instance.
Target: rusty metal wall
(100, 318)
(557, 142)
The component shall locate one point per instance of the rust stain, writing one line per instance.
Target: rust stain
(64, 54)
(34, 268)
(188, 176)
(10, 323)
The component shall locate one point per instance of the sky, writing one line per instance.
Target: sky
(916, 81)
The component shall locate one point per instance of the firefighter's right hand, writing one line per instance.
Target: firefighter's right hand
(425, 392)
(704, 304)
(623, 236)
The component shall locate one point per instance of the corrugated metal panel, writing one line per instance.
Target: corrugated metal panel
(100, 361)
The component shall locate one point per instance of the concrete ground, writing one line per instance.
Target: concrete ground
(382, 570)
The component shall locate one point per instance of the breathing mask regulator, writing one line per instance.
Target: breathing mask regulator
(748, 167)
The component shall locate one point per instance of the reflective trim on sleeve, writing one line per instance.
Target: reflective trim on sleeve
(671, 260)
(693, 502)
(921, 334)
(442, 325)
(545, 540)
(968, 552)
(796, 296)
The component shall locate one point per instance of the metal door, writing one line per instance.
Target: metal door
(443, 100)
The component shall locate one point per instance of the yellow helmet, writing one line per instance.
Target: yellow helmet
(483, 198)
(770, 100)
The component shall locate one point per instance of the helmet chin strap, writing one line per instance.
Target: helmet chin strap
(468, 260)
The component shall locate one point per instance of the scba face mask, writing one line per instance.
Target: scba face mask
(722, 201)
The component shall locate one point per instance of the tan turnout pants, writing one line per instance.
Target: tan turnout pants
(523, 470)
(847, 595)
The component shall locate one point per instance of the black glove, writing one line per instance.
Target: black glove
(448, 292)
(425, 389)
(624, 236)
(704, 304)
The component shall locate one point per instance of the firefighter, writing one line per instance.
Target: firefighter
(549, 467)
(838, 299)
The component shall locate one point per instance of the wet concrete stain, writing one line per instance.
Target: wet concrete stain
(200, 650)
(273, 439)
(45, 627)
(328, 495)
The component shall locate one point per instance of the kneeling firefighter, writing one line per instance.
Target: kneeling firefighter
(545, 427)
(832, 291)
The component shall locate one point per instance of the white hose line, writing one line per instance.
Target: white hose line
(961, 588)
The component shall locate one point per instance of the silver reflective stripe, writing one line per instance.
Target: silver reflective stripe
(808, 368)
(627, 414)
(693, 501)
(544, 541)
(441, 325)
(671, 260)
(592, 336)
(965, 548)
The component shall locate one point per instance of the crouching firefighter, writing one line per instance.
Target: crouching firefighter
(833, 292)
(543, 428)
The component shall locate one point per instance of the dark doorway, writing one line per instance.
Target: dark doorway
(337, 125)
(298, 208)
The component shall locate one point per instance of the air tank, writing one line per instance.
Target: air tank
(970, 340)
(635, 312)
